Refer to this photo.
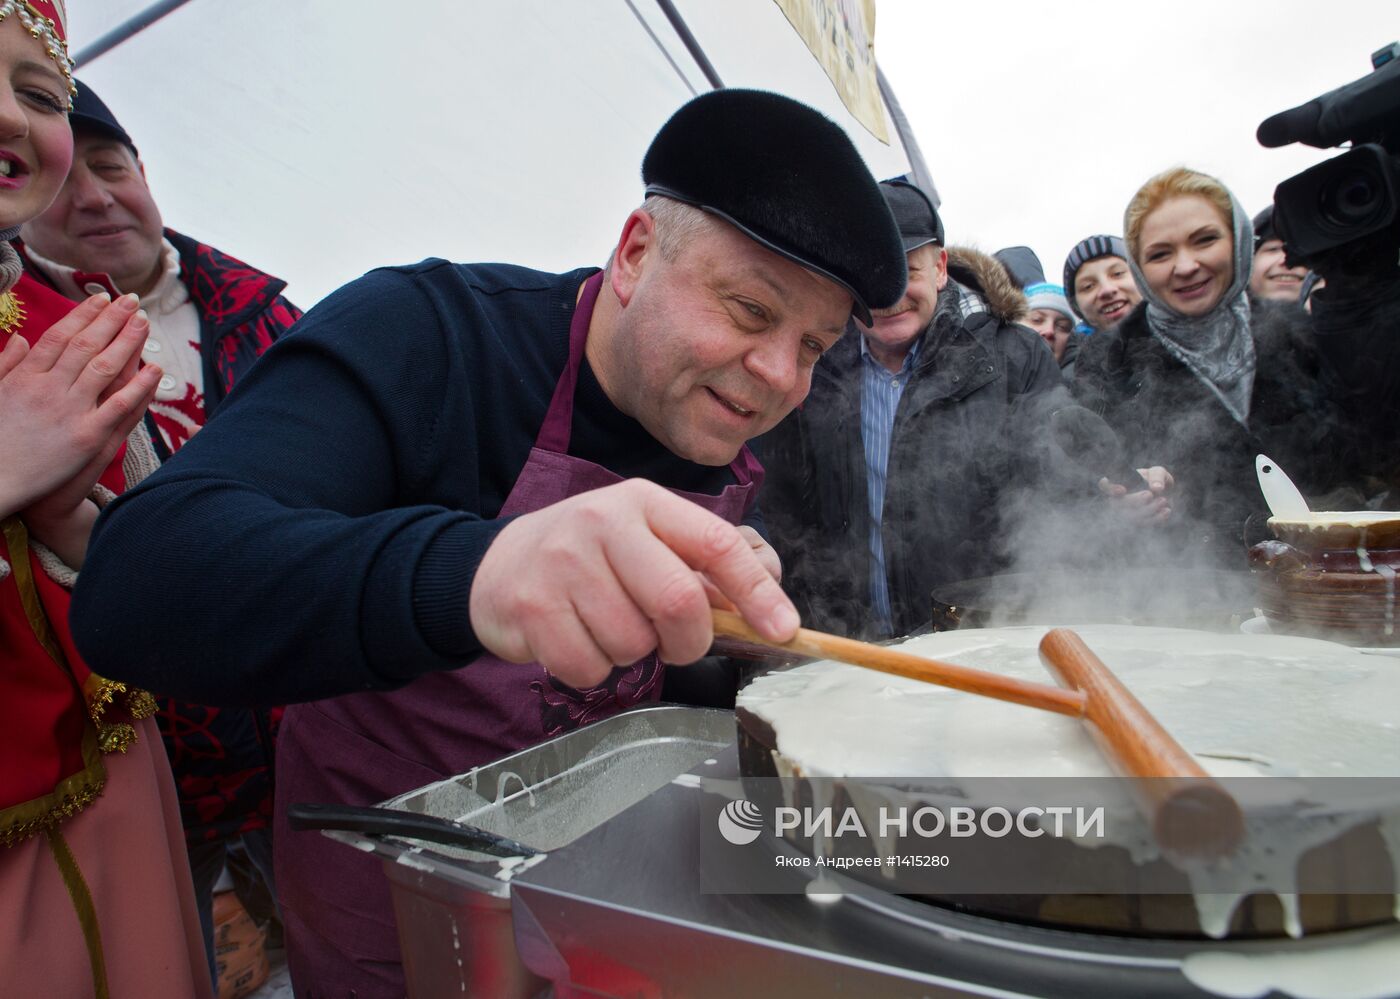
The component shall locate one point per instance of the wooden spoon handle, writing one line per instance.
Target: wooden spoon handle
(877, 657)
(1190, 812)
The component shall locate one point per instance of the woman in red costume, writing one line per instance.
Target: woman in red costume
(93, 877)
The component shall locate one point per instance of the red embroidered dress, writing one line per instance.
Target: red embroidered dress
(98, 899)
(57, 716)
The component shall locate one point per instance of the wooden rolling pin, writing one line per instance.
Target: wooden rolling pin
(1191, 814)
(886, 660)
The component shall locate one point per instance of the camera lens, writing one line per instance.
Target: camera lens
(1352, 199)
(1339, 200)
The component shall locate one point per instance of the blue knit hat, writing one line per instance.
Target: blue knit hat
(1048, 296)
(1090, 248)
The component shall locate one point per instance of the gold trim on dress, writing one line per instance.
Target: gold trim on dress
(74, 793)
(77, 791)
(12, 314)
(78, 891)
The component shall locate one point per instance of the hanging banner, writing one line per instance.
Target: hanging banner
(841, 34)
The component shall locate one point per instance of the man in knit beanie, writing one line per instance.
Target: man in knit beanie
(1098, 283)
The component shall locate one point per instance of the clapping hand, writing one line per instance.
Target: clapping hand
(66, 405)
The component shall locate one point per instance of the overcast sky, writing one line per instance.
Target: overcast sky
(513, 130)
(1039, 120)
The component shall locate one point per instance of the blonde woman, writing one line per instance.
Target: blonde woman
(1197, 380)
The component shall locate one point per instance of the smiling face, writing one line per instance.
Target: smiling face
(1054, 328)
(1105, 291)
(104, 219)
(1187, 254)
(714, 345)
(1272, 277)
(896, 328)
(35, 143)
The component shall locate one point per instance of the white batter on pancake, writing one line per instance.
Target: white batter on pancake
(1245, 705)
(1266, 703)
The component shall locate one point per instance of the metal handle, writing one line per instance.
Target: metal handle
(406, 825)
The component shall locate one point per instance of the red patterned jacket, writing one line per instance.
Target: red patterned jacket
(222, 757)
(241, 313)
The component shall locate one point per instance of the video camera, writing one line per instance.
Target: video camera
(1352, 197)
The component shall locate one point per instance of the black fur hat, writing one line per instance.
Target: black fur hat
(787, 177)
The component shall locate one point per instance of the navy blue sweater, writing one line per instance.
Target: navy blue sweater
(320, 536)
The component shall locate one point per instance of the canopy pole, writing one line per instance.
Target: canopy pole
(665, 52)
(692, 46)
(918, 169)
(133, 25)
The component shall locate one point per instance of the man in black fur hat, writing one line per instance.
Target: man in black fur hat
(475, 506)
(895, 475)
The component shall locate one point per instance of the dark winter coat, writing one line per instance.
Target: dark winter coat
(979, 388)
(1358, 338)
(1067, 363)
(1166, 416)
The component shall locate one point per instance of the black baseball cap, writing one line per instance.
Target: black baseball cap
(1264, 228)
(790, 179)
(91, 113)
(913, 213)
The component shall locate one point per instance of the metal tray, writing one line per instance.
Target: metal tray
(549, 795)
(453, 906)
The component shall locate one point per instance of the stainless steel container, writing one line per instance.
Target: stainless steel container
(453, 907)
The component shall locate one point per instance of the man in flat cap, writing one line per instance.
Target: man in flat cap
(893, 477)
(475, 506)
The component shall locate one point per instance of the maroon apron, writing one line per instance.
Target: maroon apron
(363, 748)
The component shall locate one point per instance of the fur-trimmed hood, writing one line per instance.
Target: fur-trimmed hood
(984, 274)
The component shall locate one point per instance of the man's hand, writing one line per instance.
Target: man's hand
(603, 578)
(67, 403)
(766, 555)
(1148, 506)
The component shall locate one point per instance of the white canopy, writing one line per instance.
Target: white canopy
(319, 138)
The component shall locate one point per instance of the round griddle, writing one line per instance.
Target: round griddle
(1145, 894)
(1156, 912)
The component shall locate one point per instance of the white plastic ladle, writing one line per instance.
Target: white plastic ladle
(1284, 499)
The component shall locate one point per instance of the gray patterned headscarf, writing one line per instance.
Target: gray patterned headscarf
(1216, 347)
(10, 265)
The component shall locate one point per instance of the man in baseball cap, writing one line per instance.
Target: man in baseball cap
(903, 450)
(1271, 277)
